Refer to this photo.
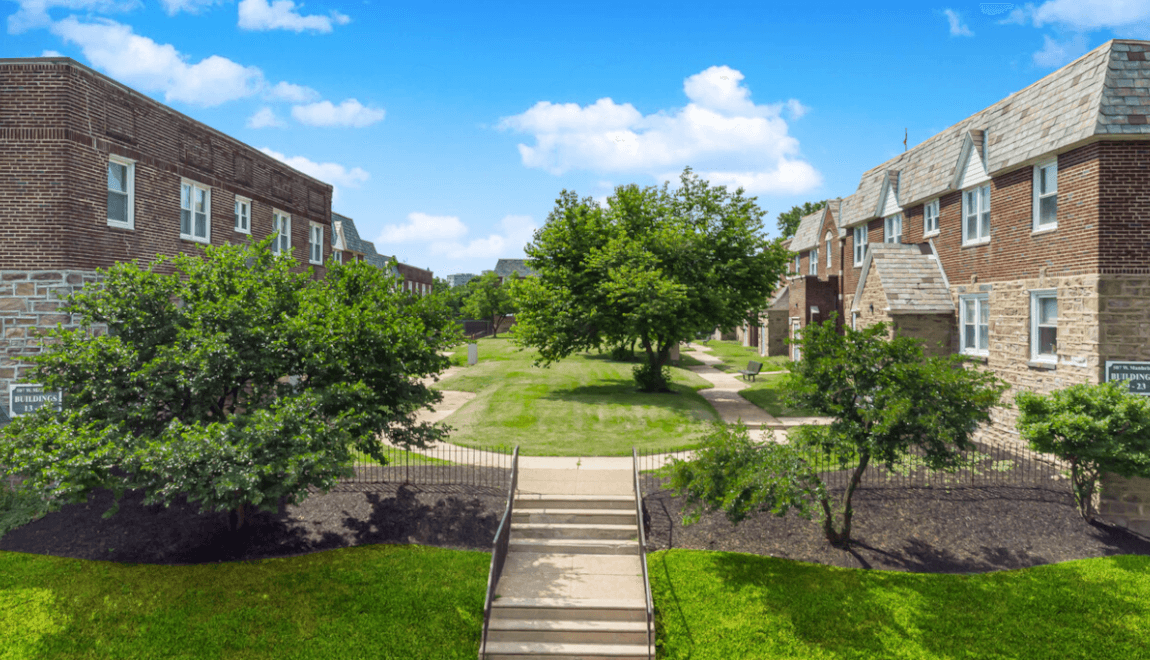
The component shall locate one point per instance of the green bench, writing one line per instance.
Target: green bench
(752, 370)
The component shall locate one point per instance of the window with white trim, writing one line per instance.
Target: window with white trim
(860, 244)
(930, 218)
(828, 241)
(243, 215)
(1046, 195)
(813, 267)
(315, 244)
(797, 258)
(974, 313)
(892, 228)
(1044, 325)
(281, 226)
(121, 192)
(976, 215)
(195, 212)
(338, 256)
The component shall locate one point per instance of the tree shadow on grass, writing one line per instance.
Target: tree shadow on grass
(609, 393)
(1067, 611)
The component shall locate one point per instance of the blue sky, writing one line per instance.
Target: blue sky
(448, 129)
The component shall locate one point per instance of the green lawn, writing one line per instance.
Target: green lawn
(729, 605)
(735, 357)
(375, 601)
(767, 391)
(585, 405)
(396, 456)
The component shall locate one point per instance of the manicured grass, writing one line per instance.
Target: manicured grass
(376, 601)
(735, 357)
(730, 605)
(767, 392)
(585, 405)
(396, 456)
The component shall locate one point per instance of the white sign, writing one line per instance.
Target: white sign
(1135, 374)
(24, 398)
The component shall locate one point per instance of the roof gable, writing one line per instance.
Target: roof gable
(888, 195)
(911, 278)
(807, 235)
(971, 167)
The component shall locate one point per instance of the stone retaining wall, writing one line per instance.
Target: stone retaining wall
(30, 303)
(1125, 503)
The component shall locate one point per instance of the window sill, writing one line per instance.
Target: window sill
(121, 225)
(242, 231)
(192, 239)
(984, 241)
(975, 357)
(1043, 230)
(1042, 364)
(931, 234)
(315, 263)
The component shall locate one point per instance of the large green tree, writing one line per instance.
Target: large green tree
(656, 265)
(788, 221)
(488, 298)
(228, 378)
(1095, 428)
(885, 397)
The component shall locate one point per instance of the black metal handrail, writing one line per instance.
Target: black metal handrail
(643, 555)
(499, 552)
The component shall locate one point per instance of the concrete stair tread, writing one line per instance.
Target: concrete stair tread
(560, 648)
(573, 546)
(535, 497)
(562, 625)
(572, 603)
(575, 512)
(572, 526)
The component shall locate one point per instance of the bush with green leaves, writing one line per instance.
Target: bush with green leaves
(654, 266)
(885, 397)
(1095, 428)
(228, 378)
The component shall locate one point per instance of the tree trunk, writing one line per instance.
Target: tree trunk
(237, 518)
(1084, 483)
(842, 537)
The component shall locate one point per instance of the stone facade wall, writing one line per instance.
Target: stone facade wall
(1125, 503)
(871, 305)
(30, 303)
(937, 331)
(777, 332)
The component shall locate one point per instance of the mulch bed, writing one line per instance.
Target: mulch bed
(922, 530)
(444, 515)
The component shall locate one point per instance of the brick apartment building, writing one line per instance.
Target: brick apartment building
(1019, 237)
(93, 173)
(347, 245)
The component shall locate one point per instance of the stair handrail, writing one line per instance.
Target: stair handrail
(499, 551)
(643, 555)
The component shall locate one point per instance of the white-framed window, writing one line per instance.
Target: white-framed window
(976, 215)
(338, 256)
(1046, 195)
(1044, 325)
(892, 228)
(974, 312)
(860, 244)
(315, 244)
(828, 241)
(930, 218)
(813, 267)
(243, 215)
(121, 192)
(797, 262)
(281, 226)
(195, 212)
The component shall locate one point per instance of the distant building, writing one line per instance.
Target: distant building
(347, 245)
(505, 267)
(460, 279)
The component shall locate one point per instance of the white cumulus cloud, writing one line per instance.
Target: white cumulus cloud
(957, 27)
(32, 14)
(285, 91)
(140, 62)
(283, 15)
(349, 113)
(265, 117)
(334, 173)
(1055, 52)
(422, 227)
(1073, 20)
(720, 132)
(51, 53)
(173, 7)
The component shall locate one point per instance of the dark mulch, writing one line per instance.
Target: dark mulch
(444, 515)
(925, 530)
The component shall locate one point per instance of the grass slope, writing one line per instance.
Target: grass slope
(729, 605)
(735, 357)
(585, 405)
(376, 601)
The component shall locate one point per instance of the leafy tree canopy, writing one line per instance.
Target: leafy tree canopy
(886, 399)
(487, 298)
(654, 265)
(230, 379)
(789, 220)
(1095, 428)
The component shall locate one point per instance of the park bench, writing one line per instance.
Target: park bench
(752, 370)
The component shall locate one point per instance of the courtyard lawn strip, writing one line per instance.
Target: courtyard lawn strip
(767, 392)
(729, 605)
(735, 357)
(378, 601)
(585, 405)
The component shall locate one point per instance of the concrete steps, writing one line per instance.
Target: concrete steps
(572, 584)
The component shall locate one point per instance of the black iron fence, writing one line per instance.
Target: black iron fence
(988, 465)
(441, 464)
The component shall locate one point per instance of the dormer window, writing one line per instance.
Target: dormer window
(892, 229)
(828, 242)
(976, 215)
(813, 268)
(860, 244)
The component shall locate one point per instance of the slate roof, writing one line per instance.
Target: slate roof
(1104, 92)
(358, 245)
(781, 299)
(807, 235)
(911, 277)
(504, 268)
